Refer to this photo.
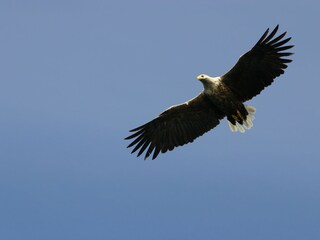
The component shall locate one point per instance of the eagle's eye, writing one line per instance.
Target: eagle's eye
(202, 76)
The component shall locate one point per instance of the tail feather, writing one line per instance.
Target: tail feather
(247, 123)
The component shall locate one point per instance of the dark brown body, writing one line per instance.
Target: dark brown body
(225, 100)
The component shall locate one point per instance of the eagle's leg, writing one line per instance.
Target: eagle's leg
(239, 122)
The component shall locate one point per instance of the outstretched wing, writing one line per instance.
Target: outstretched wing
(178, 125)
(257, 68)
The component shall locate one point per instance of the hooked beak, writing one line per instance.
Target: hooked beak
(200, 77)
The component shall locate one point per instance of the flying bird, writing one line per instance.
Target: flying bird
(223, 96)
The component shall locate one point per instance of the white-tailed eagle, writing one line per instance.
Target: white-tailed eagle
(222, 97)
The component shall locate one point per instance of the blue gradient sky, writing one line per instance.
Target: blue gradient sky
(77, 75)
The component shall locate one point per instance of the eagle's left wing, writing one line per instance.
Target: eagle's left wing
(257, 68)
(178, 125)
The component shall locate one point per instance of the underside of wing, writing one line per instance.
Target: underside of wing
(178, 125)
(257, 68)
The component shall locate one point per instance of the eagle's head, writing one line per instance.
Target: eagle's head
(203, 77)
(209, 82)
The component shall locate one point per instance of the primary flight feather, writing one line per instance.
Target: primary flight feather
(222, 97)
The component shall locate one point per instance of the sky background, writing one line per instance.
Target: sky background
(77, 75)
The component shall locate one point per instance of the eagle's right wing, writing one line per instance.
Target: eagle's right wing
(176, 126)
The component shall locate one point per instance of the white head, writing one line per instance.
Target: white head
(207, 81)
(203, 77)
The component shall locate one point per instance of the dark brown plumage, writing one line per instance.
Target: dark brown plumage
(181, 124)
(176, 126)
(257, 68)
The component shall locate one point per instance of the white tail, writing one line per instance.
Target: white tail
(247, 124)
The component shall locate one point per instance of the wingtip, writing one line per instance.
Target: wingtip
(147, 155)
(133, 130)
(138, 128)
(275, 30)
(264, 35)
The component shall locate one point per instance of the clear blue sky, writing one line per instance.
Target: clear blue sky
(77, 75)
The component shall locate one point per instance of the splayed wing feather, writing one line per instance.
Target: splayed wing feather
(181, 124)
(257, 68)
(176, 126)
